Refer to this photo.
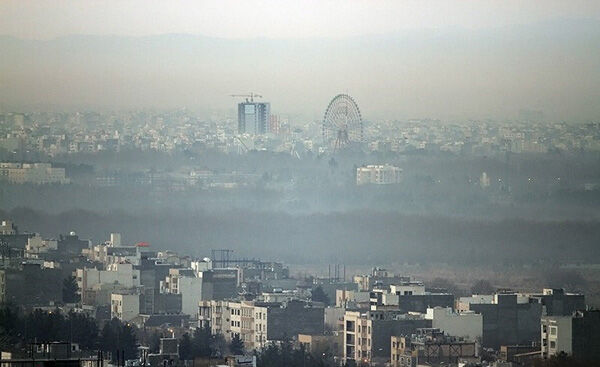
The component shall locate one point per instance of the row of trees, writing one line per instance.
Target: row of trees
(204, 344)
(17, 329)
(118, 336)
(286, 355)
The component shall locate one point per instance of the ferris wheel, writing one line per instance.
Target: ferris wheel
(342, 123)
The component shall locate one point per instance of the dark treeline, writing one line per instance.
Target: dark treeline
(285, 355)
(18, 329)
(530, 186)
(202, 344)
(351, 237)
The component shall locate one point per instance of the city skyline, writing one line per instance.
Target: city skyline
(318, 183)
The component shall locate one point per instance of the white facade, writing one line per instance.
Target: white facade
(408, 289)
(124, 307)
(190, 286)
(378, 174)
(464, 302)
(115, 239)
(191, 294)
(557, 335)
(466, 324)
(202, 265)
(123, 274)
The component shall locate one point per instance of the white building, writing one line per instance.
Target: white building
(466, 324)
(201, 265)
(378, 174)
(557, 335)
(464, 302)
(408, 289)
(186, 283)
(124, 306)
(115, 239)
(123, 274)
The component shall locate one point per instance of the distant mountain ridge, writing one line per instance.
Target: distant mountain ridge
(445, 73)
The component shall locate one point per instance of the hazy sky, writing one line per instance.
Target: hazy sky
(399, 59)
(273, 19)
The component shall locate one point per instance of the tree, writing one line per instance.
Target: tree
(217, 345)
(287, 355)
(482, 287)
(9, 327)
(154, 343)
(128, 341)
(42, 326)
(108, 337)
(83, 330)
(236, 347)
(185, 347)
(116, 336)
(69, 290)
(201, 342)
(318, 295)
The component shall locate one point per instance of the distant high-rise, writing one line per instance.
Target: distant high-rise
(253, 117)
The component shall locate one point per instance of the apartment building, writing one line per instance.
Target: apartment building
(367, 335)
(576, 335)
(431, 347)
(256, 323)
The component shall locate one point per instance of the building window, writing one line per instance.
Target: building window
(553, 330)
(552, 344)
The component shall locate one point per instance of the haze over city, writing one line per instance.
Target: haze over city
(299, 183)
(402, 59)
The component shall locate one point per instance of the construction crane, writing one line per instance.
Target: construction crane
(249, 97)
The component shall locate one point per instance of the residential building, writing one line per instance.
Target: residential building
(511, 353)
(576, 335)
(378, 175)
(379, 277)
(506, 321)
(188, 285)
(408, 297)
(322, 345)
(557, 302)
(125, 306)
(123, 274)
(259, 322)
(430, 347)
(367, 335)
(467, 324)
